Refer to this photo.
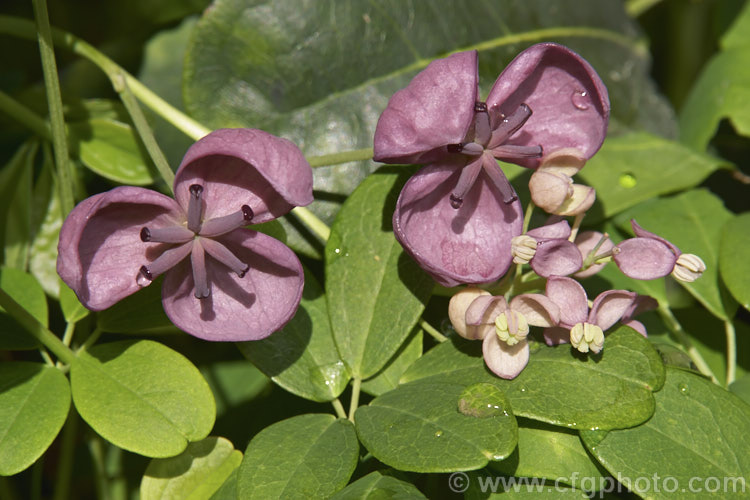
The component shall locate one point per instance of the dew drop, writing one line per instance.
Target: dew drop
(523, 389)
(683, 388)
(627, 180)
(144, 277)
(337, 250)
(581, 100)
(482, 401)
(438, 434)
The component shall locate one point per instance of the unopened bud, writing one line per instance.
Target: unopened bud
(549, 189)
(578, 202)
(689, 267)
(587, 337)
(523, 248)
(457, 307)
(511, 327)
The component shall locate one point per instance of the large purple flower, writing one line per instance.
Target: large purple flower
(237, 284)
(457, 215)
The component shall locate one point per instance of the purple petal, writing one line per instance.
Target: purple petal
(482, 312)
(642, 233)
(556, 257)
(570, 297)
(641, 304)
(556, 336)
(538, 309)
(560, 229)
(644, 258)
(100, 250)
(609, 307)
(238, 309)
(245, 167)
(436, 109)
(637, 326)
(586, 242)
(569, 102)
(466, 245)
(505, 361)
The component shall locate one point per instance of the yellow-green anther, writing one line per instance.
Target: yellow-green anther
(587, 337)
(689, 267)
(523, 249)
(511, 327)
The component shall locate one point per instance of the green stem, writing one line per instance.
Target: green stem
(24, 115)
(527, 217)
(67, 452)
(120, 85)
(46, 357)
(97, 458)
(37, 474)
(635, 8)
(91, 340)
(313, 223)
(7, 490)
(36, 329)
(682, 337)
(432, 330)
(68, 334)
(354, 403)
(54, 103)
(342, 157)
(731, 351)
(576, 225)
(340, 412)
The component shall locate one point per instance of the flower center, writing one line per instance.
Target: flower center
(197, 239)
(585, 337)
(511, 327)
(490, 133)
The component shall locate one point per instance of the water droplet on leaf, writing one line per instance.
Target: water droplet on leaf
(683, 388)
(482, 401)
(628, 180)
(438, 434)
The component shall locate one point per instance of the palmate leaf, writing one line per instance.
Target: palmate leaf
(320, 73)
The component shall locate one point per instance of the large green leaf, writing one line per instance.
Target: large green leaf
(438, 425)
(17, 225)
(234, 383)
(722, 90)
(10, 175)
(378, 486)
(375, 292)
(111, 149)
(48, 219)
(696, 442)
(734, 258)
(636, 167)
(195, 474)
(387, 378)
(142, 396)
(693, 221)
(302, 357)
(24, 289)
(486, 485)
(320, 73)
(607, 391)
(34, 403)
(307, 456)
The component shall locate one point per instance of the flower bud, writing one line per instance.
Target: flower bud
(523, 248)
(689, 267)
(585, 337)
(550, 189)
(457, 307)
(578, 202)
(511, 327)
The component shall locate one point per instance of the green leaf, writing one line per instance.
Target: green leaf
(43, 259)
(111, 149)
(484, 485)
(296, 70)
(692, 221)
(736, 35)
(24, 289)
(18, 222)
(196, 473)
(387, 378)
(376, 293)
(143, 397)
(419, 426)
(459, 359)
(34, 403)
(10, 175)
(552, 453)
(71, 307)
(698, 429)
(607, 391)
(734, 258)
(378, 486)
(307, 456)
(636, 167)
(302, 357)
(234, 383)
(741, 387)
(140, 312)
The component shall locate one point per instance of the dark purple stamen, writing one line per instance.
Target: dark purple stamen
(146, 273)
(480, 107)
(242, 273)
(456, 202)
(455, 148)
(145, 234)
(248, 213)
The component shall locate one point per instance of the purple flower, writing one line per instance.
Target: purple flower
(457, 215)
(648, 256)
(502, 326)
(585, 328)
(548, 250)
(237, 284)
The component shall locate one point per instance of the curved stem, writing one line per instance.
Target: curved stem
(354, 403)
(675, 327)
(338, 158)
(731, 351)
(313, 223)
(66, 460)
(576, 225)
(54, 102)
(432, 330)
(339, 408)
(36, 329)
(24, 115)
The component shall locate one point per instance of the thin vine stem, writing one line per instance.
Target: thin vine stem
(312, 222)
(432, 330)
(354, 403)
(338, 408)
(731, 351)
(67, 452)
(338, 158)
(54, 103)
(675, 327)
(24, 115)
